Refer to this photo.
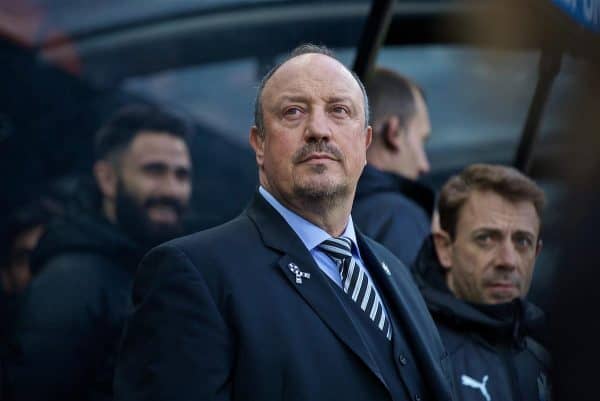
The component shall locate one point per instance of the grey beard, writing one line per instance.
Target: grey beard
(321, 199)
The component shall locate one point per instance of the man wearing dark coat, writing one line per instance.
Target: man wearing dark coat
(289, 301)
(72, 315)
(474, 275)
(391, 205)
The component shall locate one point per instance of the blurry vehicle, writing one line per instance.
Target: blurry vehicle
(66, 65)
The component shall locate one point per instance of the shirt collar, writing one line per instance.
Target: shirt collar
(309, 234)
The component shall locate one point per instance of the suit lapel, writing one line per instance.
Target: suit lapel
(311, 283)
(384, 283)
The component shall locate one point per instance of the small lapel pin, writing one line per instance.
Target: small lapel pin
(299, 274)
(386, 269)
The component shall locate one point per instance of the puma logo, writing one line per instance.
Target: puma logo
(470, 382)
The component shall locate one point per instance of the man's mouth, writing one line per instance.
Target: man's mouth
(317, 151)
(504, 290)
(318, 157)
(501, 286)
(163, 213)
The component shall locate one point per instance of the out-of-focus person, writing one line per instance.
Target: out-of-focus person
(73, 313)
(23, 231)
(475, 274)
(21, 234)
(391, 206)
(287, 301)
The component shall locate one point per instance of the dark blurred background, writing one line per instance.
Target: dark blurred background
(499, 78)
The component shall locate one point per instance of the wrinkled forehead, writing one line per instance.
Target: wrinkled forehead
(492, 210)
(315, 74)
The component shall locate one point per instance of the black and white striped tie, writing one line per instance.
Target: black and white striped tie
(356, 282)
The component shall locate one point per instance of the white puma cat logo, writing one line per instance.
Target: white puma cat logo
(470, 382)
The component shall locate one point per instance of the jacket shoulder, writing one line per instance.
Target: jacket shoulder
(389, 204)
(209, 255)
(75, 287)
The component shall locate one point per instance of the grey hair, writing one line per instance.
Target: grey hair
(307, 48)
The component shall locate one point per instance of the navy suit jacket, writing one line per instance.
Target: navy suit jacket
(219, 315)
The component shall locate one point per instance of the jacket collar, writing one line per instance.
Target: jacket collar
(309, 234)
(374, 180)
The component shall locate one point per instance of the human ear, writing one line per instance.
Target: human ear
(368, 136)
(443, 248)
(257, 141)
(538, 247)
(391, 134)
(106, 178)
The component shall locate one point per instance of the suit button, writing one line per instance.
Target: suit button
(402, 359)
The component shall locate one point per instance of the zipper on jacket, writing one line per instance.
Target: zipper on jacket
(508, 358)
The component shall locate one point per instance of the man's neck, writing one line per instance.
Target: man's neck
(382, 161)
(330, 214)
(332, 219)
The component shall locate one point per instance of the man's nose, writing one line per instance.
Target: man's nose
(507, 256)
(174, 187)
(317, 127)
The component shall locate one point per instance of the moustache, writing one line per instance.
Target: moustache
(165, 201)
(317, 147)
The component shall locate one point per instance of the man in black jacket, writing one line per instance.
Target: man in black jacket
(475, 273)
(391, 206)
(72, 316)
(287, 301)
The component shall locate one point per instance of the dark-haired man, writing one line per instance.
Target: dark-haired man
(287, 301)
(73, 314)
(475, 274)
(391, 206)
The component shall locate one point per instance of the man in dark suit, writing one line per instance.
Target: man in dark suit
(287, 301)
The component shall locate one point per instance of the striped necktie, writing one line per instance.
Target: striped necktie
(356, 282)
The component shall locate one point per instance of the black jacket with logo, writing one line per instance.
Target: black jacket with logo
(495, 350)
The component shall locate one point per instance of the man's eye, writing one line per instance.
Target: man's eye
(524, 242)
(183, 174)
(154, 169)
(483, 239)
(292, 111)
(340, 110)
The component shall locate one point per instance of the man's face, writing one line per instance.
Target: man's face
(154, 187)
(315, 139)
(413, 161)
(492, 257)
(18, 274)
